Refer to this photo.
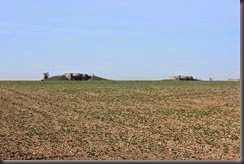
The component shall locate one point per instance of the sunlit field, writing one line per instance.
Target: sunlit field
(120, 120)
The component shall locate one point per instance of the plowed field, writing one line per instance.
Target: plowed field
(120, 120)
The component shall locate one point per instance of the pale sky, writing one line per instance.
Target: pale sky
(120, 39)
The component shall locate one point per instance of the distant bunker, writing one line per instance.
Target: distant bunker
(77, 76)
(179, 77)
(233, 79)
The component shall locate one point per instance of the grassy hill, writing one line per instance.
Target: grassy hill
(59, 77)
(62, 77)
(97, 78)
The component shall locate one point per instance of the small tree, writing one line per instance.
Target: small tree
(45, 75)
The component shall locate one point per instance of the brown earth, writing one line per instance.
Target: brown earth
(120, 121)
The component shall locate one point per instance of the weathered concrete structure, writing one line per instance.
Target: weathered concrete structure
(77, 76)
(233, 79)
(179, 77)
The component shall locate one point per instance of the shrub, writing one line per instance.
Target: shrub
(45, 75)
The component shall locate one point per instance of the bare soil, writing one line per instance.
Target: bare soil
(162, 120)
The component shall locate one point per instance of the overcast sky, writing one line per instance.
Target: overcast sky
(120, 39)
